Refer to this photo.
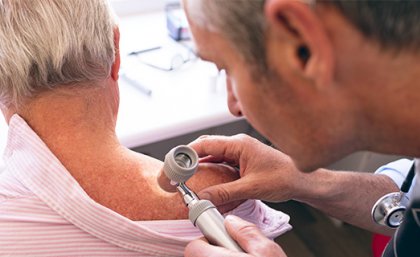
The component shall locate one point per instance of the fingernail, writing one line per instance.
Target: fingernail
(233, 221)
(204, 195)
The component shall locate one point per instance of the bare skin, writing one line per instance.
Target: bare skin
(79, 129)
(81, 134)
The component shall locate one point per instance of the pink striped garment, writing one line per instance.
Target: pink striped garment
(44, 211)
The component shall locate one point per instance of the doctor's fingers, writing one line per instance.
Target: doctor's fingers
(199, 248)
(234, 150)
(220, 160)
(226, 193)
(229, 206)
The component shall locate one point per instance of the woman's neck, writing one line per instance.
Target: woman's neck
(77, 125)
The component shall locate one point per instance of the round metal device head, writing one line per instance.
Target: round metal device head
(389, 210)
(180, 163)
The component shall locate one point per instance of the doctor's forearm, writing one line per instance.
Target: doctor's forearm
(348, 196)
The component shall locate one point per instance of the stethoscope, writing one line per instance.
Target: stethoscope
(389, 210)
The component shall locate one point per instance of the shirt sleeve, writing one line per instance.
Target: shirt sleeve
(397, 171)
(271, 222)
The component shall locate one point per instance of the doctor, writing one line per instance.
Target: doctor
(320, 81)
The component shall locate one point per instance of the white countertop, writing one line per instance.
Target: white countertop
(182, 101)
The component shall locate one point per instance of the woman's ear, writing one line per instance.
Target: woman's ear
(116, 65)
(308, 48)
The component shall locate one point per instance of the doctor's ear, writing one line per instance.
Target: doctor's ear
(303, 53)
(296, 31)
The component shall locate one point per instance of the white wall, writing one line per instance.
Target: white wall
(129, 7)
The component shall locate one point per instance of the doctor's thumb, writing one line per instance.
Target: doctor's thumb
(224, 194)
(251, 239)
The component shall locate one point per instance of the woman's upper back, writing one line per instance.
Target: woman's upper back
(131, 189)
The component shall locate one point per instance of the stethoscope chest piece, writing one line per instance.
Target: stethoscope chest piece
(389, 209)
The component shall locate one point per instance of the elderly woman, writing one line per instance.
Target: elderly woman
(70, 187)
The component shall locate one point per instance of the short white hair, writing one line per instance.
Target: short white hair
(47, 43)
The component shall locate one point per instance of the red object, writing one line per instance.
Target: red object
(379, 243)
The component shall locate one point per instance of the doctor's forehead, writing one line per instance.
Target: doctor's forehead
(210, 46)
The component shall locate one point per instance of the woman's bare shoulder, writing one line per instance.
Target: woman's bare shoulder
(207, 174)
(145, 200)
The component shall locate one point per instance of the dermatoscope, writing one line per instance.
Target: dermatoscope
(179, 165)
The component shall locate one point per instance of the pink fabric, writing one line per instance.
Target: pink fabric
(44, 211)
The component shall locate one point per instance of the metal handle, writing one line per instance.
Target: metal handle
(204, 215)
(180, 164)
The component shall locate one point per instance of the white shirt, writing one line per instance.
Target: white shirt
(398, 171)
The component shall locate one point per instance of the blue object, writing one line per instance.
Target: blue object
(176, 22)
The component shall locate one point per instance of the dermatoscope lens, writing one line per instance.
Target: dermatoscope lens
(180, 163)
(183, 160)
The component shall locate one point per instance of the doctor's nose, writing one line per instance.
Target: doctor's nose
(233, 103)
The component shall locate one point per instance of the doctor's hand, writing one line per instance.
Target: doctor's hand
(245, 234)
(265, 173)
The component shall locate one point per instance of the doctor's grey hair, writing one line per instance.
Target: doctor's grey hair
(240, 21)
(49, 43)
(394, 24)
